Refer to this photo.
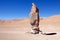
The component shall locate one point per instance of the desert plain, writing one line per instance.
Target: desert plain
(17, 29)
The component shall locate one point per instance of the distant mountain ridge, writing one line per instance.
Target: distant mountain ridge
(18, 22)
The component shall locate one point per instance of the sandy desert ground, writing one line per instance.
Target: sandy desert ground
(17, 29)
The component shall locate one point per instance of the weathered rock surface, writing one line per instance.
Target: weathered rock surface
(34, 19)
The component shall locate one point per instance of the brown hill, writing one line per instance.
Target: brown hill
(51, 20)
(43, 21)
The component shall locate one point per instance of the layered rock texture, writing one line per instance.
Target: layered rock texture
(34, 19)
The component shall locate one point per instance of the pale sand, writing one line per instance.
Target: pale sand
(20, 33)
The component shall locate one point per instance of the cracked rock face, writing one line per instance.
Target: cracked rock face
(34, 19)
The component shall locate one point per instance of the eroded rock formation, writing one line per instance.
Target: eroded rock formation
(34, 19)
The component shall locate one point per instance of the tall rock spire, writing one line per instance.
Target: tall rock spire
(34, 19)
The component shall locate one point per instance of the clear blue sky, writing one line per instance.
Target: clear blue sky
(11, 9)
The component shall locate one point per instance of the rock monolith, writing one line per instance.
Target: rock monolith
(34, 19)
